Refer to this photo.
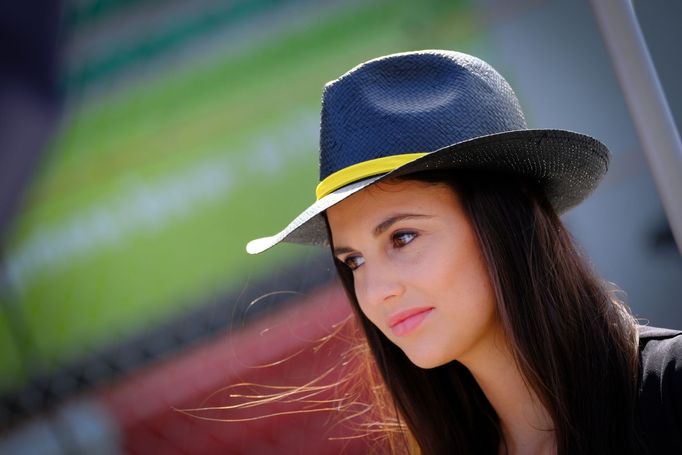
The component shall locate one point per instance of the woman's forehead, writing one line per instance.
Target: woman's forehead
(394, 196)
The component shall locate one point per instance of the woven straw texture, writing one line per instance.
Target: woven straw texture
(414, 102)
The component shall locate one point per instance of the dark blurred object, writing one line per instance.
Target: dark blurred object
(661, 237)
(29, 109)
(29, 98)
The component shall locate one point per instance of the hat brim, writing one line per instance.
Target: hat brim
(567, 165)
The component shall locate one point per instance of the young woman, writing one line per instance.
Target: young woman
(489, 330)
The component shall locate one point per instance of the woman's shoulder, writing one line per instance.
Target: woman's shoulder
(660, 389)
(661, 352)
(647, 333)
(661, 359)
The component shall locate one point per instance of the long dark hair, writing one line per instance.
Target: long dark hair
(573, 341)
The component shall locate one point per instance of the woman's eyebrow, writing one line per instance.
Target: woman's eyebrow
(387, 223)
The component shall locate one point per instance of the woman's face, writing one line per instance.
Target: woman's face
(418, 271)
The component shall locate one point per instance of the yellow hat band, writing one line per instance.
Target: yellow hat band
(363, 170)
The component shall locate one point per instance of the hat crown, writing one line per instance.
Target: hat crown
(412, 102)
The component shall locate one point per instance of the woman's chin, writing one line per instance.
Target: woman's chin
(426, 361)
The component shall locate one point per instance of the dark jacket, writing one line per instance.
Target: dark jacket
(659, 412)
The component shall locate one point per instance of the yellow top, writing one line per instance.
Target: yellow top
(363, 170)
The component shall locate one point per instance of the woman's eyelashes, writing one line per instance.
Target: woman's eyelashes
(402, 238)
(354, 261)
(399, 239)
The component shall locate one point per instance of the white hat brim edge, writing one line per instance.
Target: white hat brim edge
(259, 245)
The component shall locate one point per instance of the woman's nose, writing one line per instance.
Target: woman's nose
(381, 283)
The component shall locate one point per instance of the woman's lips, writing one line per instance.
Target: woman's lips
(406, 321)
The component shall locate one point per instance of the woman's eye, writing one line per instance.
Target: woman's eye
(400, 239)
(353, 262)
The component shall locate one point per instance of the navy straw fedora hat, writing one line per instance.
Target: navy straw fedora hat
(434, 109)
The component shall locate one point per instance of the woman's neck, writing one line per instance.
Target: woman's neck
(527, 427)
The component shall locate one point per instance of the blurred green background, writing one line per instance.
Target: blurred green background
(184, 136)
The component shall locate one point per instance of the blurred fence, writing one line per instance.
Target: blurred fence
(144, 412)
(219, 316)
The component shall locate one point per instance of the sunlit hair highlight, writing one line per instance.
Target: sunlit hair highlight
(349, 395)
